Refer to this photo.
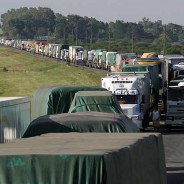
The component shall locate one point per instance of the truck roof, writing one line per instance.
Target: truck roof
(127, 74)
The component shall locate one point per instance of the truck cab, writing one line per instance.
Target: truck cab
(132, 90)
(175, 105)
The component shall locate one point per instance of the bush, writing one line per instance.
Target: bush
(5, 69)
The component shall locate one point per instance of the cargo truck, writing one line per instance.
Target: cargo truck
(96, 63)
(175, 104)
(174, 66)
(122, 59)
(132, 90)
(175, 91)
(75, 53)
(156, 80)
(51, 49)
(55, 50)
(85, 56)
(108, 61)
(42, 47)
(88, 56)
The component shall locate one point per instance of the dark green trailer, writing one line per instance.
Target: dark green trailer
(84, 158)
(56, 99)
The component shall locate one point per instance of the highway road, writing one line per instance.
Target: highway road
(174, 156)
(174, 153)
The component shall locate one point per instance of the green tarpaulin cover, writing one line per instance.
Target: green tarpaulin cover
(56, 99)
(99, 101)
(81, 122)
(84, 158)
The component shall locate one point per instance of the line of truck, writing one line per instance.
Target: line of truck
(127, 77)
(153, 82)
(78, 55)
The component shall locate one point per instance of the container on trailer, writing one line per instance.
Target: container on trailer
(122, 59)
(46, 50)
(111, 61)
(73, 53)
(64, 51)
(97, 58)
(90, 58)
(85, 55)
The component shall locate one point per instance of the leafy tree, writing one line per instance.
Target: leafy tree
(28, 23)
(144, 36)
(175, 49)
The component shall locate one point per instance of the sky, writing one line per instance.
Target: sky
(168, 11)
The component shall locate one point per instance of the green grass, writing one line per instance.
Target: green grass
(21, 74)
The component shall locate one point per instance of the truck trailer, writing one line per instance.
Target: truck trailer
(97, 62)
(75, 53)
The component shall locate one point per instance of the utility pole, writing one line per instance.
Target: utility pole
(132, 41)
(86, 36)
(72, 36)
(109, 45)
(76, 36)
(164, 44)
(91, 39)
(55, 35)
(47, 35)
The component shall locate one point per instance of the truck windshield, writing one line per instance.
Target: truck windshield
(127, 99)
(175, 94)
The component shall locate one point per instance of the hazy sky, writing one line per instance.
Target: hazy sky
(168, 11)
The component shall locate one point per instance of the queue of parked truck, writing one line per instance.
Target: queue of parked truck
(155, 81)
(98, 58)
(139, 82)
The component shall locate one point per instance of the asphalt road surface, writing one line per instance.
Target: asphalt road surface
(174, 157)
(174, 153)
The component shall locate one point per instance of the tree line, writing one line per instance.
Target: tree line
(144, 36)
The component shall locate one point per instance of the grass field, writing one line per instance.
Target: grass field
(21, 74)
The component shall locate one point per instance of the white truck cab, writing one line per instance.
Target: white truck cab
(132, 90)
